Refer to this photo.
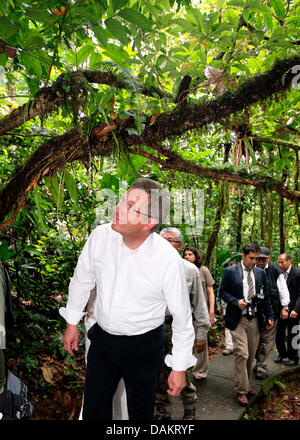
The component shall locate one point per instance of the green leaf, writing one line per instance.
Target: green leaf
(38, 207)
(109, 181)
(260, 7)
(41, 15)
(250, 149)
(100, 34)
(7, 28)
(269, 21)
(55, 190)
(71, 185)
(136, 18)
(95, 60)
(116, 53)
(240, 3)
(34, 42)
(83, 15)
(161, 59)
(5, 253)
(118, 4)
(220, 4)
(185, 25)
(278, 7)
(32, 65)
(83, 53)
(2, 59)
(118, 30)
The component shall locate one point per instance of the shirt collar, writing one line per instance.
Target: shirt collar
(245, 268)
(146, 246)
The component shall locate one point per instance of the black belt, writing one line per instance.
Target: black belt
(168, 319)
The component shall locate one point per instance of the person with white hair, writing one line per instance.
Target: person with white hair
(201, 324)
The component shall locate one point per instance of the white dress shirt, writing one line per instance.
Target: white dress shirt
(133, 289)
(246, 286)
(284, 294)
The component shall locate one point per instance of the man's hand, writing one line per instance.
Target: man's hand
(293, 314)
(70, 338)
(242, 304)
(219, 309)
(284, 314)
(176, 382)
(270, 324)
(200, 345)
(212, 319)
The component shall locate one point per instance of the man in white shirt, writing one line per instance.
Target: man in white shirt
(137, 274)
(280, 299)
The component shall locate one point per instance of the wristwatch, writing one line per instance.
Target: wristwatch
(286, 309)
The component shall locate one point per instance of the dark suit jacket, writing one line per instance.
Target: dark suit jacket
(231, 291)
(293, 283)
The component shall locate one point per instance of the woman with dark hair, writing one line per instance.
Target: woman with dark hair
(192, 254)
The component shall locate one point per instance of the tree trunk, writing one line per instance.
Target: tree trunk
(297, 185)
(239, 225)
(269, 231)
(281, 225)
(218, 216)
(262, 219)
(215, 228)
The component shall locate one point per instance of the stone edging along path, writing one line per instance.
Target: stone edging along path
(275, 381)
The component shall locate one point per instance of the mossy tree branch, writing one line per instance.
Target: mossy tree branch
(71, 146)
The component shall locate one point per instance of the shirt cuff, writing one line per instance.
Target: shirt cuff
(2, 337)
(179, 364)
(71, 316)
(201, 334)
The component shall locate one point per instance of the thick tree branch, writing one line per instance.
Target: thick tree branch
(54, 96)
(71, 146)
(175, 162)
(277, 142)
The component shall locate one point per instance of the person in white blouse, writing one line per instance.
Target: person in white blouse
(137, 274)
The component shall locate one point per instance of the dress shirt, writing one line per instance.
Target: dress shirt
(284, 294)
(133, 289)
(246, 286)
(287, 271)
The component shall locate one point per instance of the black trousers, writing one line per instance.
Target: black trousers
(138, 359)
(288, 350)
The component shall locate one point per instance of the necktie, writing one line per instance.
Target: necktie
(250, 285)
(285, 274)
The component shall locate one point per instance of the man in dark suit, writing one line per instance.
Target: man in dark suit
(245, 289)
(292, 276)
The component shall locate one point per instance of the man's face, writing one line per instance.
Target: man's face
(250, 259)
(283, 263)
(262, 262)
(171, 237)
(131, 214)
